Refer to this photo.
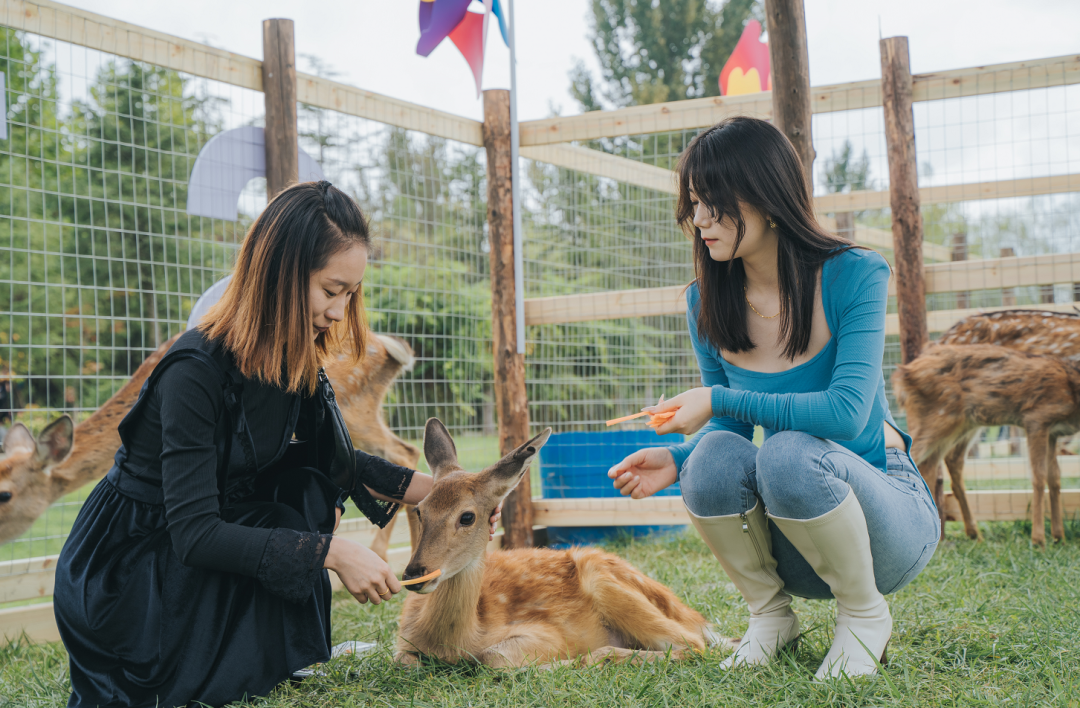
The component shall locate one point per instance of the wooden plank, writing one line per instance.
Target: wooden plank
(603, 164)
(940, 278)
(27, 579)
(279, 93)
(511, 400)
(36, 621)
(941, 320)
(608, 305)
(789, 67)
(993, 273)
(1006, 504)
(997, 78)
(353, 101)
(639, 120)
(88, 29)
(881, 240)
(993, 505)
(1000, 468)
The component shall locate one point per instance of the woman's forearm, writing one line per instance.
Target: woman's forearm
(418, 488)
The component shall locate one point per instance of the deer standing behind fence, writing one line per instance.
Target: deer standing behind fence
(34, 474)
(513, 607)
(950, 391)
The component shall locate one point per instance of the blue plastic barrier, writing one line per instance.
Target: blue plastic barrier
(575, 465)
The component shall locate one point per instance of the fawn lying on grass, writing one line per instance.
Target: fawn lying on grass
(34, 474)
(527, 605)
(950, 391)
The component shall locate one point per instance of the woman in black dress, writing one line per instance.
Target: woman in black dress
(196, 571)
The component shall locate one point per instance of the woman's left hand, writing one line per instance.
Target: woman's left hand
(693, 410)
(494, 520)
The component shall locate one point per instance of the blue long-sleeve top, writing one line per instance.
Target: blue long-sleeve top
(838, 395)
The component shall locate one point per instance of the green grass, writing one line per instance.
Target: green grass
(987, 624)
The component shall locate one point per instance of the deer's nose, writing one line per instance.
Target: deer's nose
(414, 571)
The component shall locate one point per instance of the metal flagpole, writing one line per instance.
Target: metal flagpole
(519, 256)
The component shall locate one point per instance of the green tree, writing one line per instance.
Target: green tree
(653, 52)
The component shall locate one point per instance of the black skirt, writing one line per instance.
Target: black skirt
(142, 629)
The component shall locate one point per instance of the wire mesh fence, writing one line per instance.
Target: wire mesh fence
(101, 260)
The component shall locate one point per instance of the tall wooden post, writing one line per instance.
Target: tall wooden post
(789, 66)
(279, 90)
(907, 226)
(510, 399)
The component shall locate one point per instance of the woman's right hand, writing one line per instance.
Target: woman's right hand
(644, 472)
(363, 573)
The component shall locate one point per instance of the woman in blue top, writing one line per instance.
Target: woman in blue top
(788, 325)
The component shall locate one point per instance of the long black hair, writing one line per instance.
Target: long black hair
(747, 161)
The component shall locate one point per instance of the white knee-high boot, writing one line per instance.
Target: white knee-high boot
(742, 544)
(837, 547)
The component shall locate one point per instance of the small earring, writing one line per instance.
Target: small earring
(772, 224)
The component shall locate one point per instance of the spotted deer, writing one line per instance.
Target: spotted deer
(950, 391)
(35, 473)
(513, 607)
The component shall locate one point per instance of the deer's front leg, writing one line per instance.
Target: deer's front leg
(1038, 452)
(1053, 482)
(954, 462)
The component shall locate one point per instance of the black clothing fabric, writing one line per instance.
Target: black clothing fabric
(194, 570)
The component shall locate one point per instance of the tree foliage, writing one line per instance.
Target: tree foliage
(650, 52)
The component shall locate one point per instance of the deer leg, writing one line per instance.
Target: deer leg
(618, 655)
(381, 544)
(1053, 482)
(1038, 451)
(930, 468)
(954, 462)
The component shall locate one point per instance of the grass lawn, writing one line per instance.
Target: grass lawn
(987, 624)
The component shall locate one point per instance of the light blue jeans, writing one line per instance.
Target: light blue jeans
(799, 476)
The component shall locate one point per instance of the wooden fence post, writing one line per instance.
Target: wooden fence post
(510, 398)
(279, 91)
(907, 226)
(789, 66)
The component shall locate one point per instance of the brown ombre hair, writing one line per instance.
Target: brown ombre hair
(264, 317)
(740, 162)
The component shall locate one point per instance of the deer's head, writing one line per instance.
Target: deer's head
(25, 484)
(454, 515)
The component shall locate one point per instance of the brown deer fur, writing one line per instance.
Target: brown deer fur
(31, 482)
(1032, 331)
(949, 391)
(510, 608)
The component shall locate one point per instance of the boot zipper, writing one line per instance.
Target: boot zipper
(757, 549)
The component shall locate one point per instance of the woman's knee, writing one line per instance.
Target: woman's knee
(715, 476)
(786, 465)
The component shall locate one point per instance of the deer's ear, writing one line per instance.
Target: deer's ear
(439, 450)
(18, 440)
(505, 474)
(56, 440)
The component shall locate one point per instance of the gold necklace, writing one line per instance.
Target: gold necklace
(755, 309)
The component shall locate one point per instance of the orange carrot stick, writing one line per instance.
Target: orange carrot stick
(626, 418)
(422, 579)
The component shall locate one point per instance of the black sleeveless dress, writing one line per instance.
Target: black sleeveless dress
(193, 574)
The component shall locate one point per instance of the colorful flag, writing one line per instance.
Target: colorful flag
(747, 70)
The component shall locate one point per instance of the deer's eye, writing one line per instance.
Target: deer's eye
(5, 497)
(418, 516)
(468, 518)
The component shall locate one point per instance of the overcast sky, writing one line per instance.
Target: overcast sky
(372, 43)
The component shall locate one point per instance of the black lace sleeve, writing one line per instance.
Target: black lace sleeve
(385, 478)
(291, 563)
